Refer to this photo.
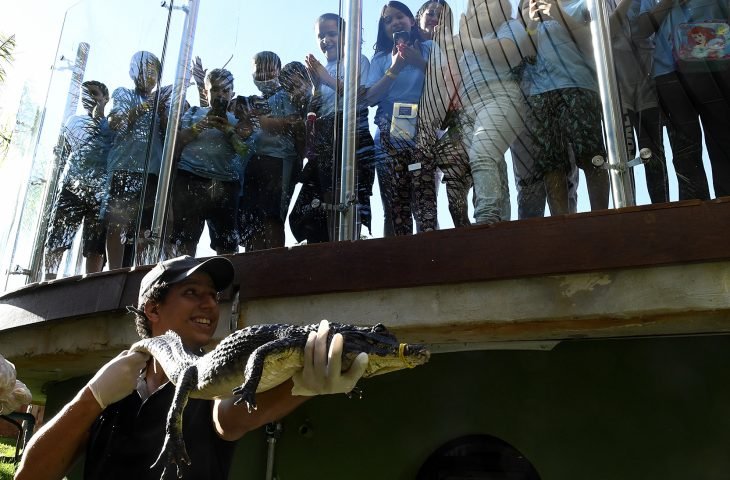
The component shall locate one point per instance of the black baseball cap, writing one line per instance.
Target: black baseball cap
(177, 269)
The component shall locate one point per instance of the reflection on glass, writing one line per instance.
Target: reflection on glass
(494, 46)
(265, 197)
(138, 119)
(440, 132)
(452, 93)
(86, 140)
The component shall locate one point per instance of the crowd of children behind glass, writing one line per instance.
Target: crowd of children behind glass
(448, 105)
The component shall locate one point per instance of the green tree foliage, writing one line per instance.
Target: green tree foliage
(7, 45)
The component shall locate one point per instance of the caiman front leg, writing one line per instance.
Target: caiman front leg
(173, 450)
(254, 369)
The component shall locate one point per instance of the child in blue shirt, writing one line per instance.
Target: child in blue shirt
(261, 220)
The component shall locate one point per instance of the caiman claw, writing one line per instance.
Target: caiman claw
(245, 395)
(173, 453)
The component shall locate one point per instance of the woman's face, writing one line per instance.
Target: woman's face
(328, 36)
(396, 21)
(430, 17)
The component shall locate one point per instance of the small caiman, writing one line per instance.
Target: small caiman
(256, 359)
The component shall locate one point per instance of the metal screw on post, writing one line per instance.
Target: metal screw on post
(169, 5)
(645, 155)
(335, 207)
(18, 270)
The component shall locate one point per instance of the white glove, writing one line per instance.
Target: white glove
(322, 372)
(13, 392)
(118, 378)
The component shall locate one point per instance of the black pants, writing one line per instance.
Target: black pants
(688, 99)
(648, 126)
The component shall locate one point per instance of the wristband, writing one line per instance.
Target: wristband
(195, 129)
(390, 74)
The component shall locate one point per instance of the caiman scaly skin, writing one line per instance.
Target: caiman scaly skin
(256, 359)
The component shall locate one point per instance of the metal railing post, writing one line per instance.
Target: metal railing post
(348, 196)
(619, 174)
(177, 104)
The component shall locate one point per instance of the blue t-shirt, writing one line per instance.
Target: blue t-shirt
(129, 149)
(277, 145)
(478, 70)
(89, 140)
(210, 155)
(692, 11)
(563, 56)
(406, 88)
(328, 94)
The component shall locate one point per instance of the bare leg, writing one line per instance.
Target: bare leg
(114, 247)
(94, 262)
(53, 260)
(271, 236)
(556, 186)
(598, 188)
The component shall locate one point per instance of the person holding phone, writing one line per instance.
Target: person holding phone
(207, 181)
(397, 75)
(138, 120)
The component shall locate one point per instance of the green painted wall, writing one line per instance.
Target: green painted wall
(610, 409)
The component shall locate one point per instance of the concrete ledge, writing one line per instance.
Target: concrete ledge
(646, 301)
(533, 312)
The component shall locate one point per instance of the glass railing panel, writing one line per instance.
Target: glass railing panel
(672, 65)
(243, 169)
(95, 123)
(488, 112)
(507, 92)
(531, 115)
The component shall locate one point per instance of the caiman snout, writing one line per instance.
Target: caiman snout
(405, 356)
(414, 355)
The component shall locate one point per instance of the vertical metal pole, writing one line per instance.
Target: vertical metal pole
(621, 188)
(353, 41)
(177, 104)
(273, 433)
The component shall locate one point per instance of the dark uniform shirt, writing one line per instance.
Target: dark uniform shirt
(128, 436)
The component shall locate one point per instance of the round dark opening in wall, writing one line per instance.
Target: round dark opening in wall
(473, 457)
